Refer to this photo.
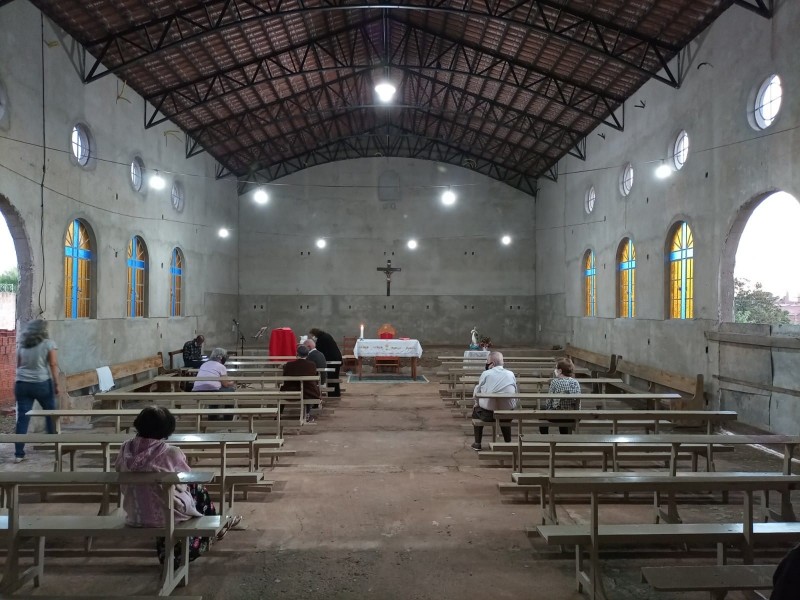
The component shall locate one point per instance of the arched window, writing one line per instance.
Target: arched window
(78, 258)
(681, 273)
(589, 289)
(176, 283)
(626, 261)
(137, 277)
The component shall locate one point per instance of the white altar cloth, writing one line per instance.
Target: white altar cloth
(400, 348)
(476, 354)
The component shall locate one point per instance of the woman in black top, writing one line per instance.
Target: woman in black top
(327, 345)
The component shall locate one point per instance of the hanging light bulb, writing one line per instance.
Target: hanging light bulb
(385, 91)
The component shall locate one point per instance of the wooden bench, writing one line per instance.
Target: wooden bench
(717, 580)
(592, 535)
(640, 378)
(598, 364)
(16, 529)
(132, 368)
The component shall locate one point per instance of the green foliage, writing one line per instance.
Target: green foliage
(753, 304)
(10, 276)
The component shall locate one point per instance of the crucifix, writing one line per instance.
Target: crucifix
(388, 270)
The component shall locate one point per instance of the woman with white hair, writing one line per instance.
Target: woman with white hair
(215, 367)
(36, 379)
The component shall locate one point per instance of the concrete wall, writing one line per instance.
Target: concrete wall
(460, 276)
(730, 167)
(45, 98)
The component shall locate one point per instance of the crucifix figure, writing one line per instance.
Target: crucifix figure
(388, 270)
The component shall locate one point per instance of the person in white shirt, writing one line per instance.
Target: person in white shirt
(494, 380)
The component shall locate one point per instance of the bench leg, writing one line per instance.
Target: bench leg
(38, 560)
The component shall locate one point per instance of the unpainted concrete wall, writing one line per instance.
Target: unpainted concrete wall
(730, 166)
(45, 99)
(460, 276)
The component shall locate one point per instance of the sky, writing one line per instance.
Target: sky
(770, 246)
(770, 242)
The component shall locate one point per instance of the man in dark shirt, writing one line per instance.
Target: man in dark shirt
(193, 352)
(300, 367)
(327, 345)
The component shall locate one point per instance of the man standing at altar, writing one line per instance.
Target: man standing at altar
(327, 345)
(494, 380)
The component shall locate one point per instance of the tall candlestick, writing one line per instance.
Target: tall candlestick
(362, 331)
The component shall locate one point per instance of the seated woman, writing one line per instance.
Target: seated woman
(143, 504)
(563, 383)
(215, 367)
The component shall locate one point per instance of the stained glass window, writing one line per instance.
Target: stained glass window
(137, 270)
(627, 279)
(176, 283)
(77, 271)
(681, 273)
(589, 289)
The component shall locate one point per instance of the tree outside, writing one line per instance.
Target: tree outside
(754, 304)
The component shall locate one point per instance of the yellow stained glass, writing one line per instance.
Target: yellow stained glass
(176, 283)
(627, 279)
(681, 273)
(589, 274)
(137, 266)
(77, 271)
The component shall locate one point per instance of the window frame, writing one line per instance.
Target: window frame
(761, 122)
(677, 162)
(137, 270)
(177, 191)
(589, 278)
(137, 163)
(626, 180)
(626, 279)
(682, 262)
(589, 200)
(79, 275)
(84, 142)
(177, 276)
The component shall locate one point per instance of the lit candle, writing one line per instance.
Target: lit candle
(362, 331)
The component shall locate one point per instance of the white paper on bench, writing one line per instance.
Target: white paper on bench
(104, 378)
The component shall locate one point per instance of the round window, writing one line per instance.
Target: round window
(178, 197)
(80, 144)
(680, 151)
(588, 202)
(768, 101)
(626, 180)
(137, 168)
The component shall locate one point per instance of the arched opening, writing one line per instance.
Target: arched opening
(16, 297)
(757, 282)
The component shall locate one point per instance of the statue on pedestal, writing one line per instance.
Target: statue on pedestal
(474, 344)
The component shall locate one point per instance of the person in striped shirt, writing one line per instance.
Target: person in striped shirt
(564, 382)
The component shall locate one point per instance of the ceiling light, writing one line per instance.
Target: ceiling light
(506, 240)
(321, 243)
(448, 198)
(412, 244)
(157, 182)
(385, 91)
(663, 171)
(261, 197)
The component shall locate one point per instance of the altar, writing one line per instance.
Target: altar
(392, 347)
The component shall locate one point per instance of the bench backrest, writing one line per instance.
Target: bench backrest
(172, 354)
(131, 368)
(692, 386)
(592, 359)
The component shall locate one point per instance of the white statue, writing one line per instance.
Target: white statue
(474, 337)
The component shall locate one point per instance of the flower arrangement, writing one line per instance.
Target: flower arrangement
(485, 342)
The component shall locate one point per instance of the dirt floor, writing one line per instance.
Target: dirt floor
(385, 500)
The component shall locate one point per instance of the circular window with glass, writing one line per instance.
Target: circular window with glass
(137, 171)
(680, 150)
(80, 144)
(626, 180)
(588, 202)
(178, 197)
(768, 101)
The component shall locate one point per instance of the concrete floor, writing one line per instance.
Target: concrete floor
(384, 500)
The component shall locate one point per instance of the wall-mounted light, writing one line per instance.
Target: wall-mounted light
(321, 243)
(223, 232)
(448, 197)
(385, 91)
(412, 244)
(663, 170)
(260, 196)
(505, 240)
(157, 182)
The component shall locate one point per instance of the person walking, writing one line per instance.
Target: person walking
(36, 378)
